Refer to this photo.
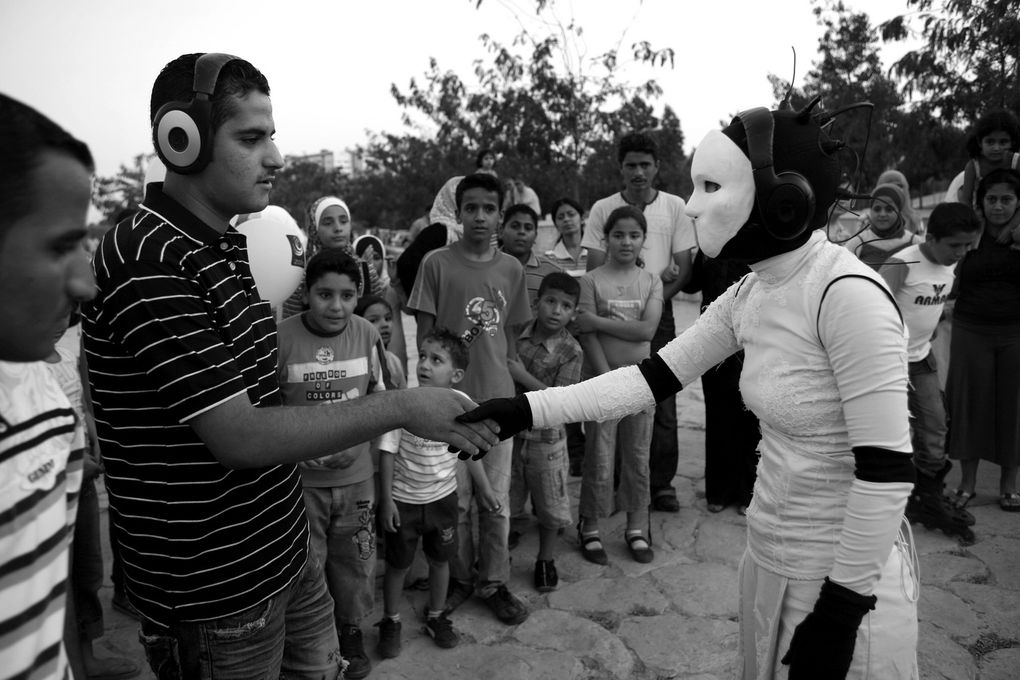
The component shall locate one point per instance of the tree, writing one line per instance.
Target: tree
(298, 185)
(544, 107)
(123, 191)
(971, 59)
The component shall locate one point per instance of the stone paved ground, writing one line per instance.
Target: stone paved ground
(676, 617)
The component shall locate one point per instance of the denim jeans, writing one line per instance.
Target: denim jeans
(289, 635)
(664, 454)
(87, 564)
(493, 527)
(341, 527)
(927, 416)
(630, 437)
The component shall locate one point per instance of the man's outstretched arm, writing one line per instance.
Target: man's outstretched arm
(242, 436)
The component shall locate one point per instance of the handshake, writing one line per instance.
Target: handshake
(512, 414)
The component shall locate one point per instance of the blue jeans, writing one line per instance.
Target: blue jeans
(493, 527)
(927, 416)
(630, 437)
(289, 635)
(341, 527)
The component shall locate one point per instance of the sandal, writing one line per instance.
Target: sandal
(591, 546)
(1010, 502)
(716, 507)
(961, 498)
(639, 548)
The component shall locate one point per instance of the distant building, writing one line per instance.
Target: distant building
(324, 159)
(352, 163)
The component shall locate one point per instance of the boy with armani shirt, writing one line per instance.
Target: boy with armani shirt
(921, 277)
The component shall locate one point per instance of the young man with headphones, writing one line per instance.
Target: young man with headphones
(200, 456)
(667, 253)
(825, 373)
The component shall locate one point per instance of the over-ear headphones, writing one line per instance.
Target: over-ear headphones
(182, 131)
(786, 201)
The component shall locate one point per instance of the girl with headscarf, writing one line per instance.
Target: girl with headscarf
(910, 218)
(328, 226)
(884, 232)
(372, 250)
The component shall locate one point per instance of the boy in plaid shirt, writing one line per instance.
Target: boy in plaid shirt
(548, 356)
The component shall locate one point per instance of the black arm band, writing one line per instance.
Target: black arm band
(660, 379)
(882, 465)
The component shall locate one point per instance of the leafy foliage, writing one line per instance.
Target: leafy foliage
(970, 61)
(550, 114)
(123, 191)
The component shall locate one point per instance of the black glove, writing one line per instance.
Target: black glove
(823, 643)
(511, 414)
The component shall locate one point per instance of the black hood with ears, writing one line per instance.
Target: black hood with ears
(799, 144)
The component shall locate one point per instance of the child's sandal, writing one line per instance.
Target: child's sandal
(639, 548)
(591, 547)
(1009, 502)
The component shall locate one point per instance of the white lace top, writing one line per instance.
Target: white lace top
(821, 378)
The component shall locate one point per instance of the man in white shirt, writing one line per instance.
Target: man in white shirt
(667, 252)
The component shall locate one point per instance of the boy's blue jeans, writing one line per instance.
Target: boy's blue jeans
(290, 635)
(927, 416)
(493, 527)
(341, 527)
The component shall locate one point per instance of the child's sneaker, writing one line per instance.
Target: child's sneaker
(546, 578)
(389, 638)
(441, 630)
(353, 651)
(507, 607)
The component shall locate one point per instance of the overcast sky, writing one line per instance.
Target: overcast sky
(330, 64)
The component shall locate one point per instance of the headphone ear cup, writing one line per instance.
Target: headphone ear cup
(789, 207)
(180, 133)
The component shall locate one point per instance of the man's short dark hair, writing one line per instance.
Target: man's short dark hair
(518, 209)
(460, 356)
(637, 142)
(236, 79)
(25, 134)
(332, 261)
(560, 281)
(479, 180)
(950, 219)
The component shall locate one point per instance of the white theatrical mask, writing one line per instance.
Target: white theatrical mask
(723, 192)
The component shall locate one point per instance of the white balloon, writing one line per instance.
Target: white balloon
(155, 171)
(276, 253)
(953, 190)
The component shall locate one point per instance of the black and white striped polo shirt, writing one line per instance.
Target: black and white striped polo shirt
(177, 328)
